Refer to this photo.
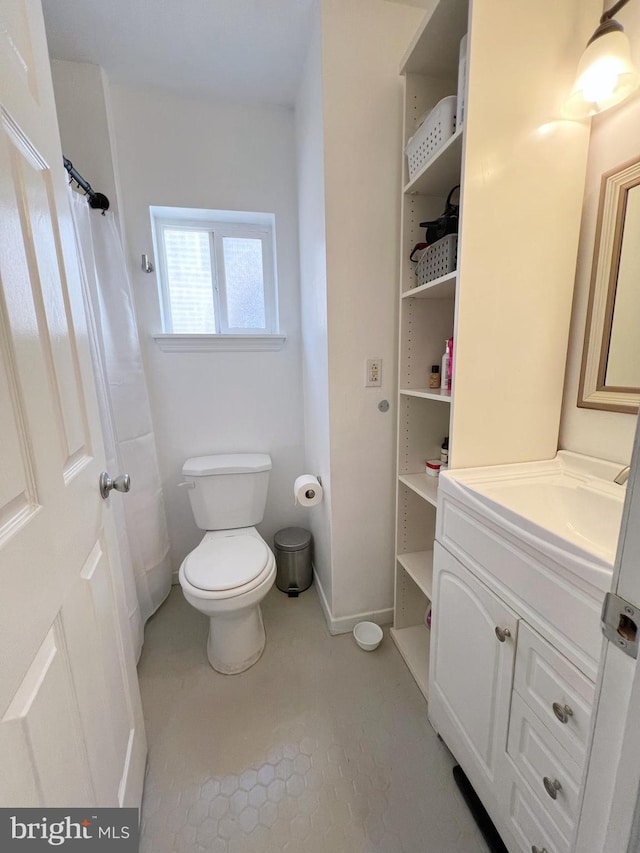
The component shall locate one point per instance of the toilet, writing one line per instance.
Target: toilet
(232, 569)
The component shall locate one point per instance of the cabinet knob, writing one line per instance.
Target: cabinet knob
(562, 712)
(502, 633)
(535, 849)
(552, 786)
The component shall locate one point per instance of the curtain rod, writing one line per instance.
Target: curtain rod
(97, 201)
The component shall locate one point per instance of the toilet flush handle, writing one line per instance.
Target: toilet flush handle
(188, 485)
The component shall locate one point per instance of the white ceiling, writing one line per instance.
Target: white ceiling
(240, 49)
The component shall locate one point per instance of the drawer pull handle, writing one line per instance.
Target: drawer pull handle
(552, 786)
(502, 633)
(535, 849)
(562, 712)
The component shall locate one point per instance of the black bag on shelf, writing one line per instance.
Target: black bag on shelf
(438, 228)
(445, 224)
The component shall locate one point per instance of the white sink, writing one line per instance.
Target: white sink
(569, 502)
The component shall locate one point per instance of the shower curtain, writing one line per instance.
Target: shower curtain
(139, 517)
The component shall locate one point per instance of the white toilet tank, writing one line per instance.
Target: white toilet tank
(230, 490)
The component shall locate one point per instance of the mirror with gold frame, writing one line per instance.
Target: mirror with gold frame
(610, 375)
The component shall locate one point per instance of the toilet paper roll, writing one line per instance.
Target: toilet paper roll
(307, 491)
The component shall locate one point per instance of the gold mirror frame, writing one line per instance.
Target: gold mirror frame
(593, 392)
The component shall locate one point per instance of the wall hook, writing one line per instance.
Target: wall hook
(147, 266)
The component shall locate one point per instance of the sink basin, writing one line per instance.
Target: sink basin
(569, 502)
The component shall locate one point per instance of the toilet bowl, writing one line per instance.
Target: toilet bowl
(232, 569)
(226, 577)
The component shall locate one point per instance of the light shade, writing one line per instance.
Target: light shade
(606, 75)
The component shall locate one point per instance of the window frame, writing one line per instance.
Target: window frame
(218, 226)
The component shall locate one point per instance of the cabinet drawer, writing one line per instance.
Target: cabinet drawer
(527, 819)
(544, 677)
(543, 763)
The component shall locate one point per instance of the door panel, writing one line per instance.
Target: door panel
(41, 725)
(15, 31)
(40, 235)
(97, 674)
(18, 498)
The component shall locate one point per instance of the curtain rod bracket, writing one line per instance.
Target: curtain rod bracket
(97, 201)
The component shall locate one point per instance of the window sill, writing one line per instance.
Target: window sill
(220, 343)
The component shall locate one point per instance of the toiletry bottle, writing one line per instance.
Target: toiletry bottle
(434, 376)
(445, 381)
(444, 452)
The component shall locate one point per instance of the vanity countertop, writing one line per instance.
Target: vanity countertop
(569, 503)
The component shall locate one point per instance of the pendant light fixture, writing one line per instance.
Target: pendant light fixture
(606, 74)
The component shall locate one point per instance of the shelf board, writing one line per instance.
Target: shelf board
(434, 50)
(419, 566)
(423, 485)
(413, 645)
(442, 171)
(428, 394)
(443, 287)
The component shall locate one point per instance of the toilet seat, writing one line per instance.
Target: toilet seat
(222, 564)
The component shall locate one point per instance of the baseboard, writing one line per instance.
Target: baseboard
(344, 624)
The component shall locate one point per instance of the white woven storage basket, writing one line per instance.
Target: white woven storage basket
(438, 259)
(434, 131)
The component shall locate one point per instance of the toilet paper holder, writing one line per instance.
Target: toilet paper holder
(310, 493)
(308, 490)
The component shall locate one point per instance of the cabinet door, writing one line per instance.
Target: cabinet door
(471, 670)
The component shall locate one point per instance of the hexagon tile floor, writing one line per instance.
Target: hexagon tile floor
(318, 748)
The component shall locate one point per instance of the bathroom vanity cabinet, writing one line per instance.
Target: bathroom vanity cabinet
(507, 305)
(514, 655)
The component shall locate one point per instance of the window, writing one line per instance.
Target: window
(216, 271)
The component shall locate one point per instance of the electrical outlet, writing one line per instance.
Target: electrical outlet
(374, 373)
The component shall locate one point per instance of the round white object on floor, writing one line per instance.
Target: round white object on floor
(367, 635)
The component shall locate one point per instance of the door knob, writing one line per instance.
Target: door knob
(552, 786)
(120, 484)
(502, 633)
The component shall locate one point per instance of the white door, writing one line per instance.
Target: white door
(71, 731)
(610, 818)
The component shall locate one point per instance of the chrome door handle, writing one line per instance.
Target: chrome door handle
(552, 786)
(120, 484)
(562, 712)
(535, 849)
(502, 633)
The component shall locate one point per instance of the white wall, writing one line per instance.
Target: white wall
(83, 115)
(194, 153)
(313, 287)
(614, 141)
(363, 42)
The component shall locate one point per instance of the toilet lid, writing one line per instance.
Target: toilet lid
(226, 562)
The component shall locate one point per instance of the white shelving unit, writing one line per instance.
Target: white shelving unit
(423, 485)
(440, 288)
(412, 642)
(419, 567)
(441, 172)
(428, 394)
(426, 320)
(508, 304)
